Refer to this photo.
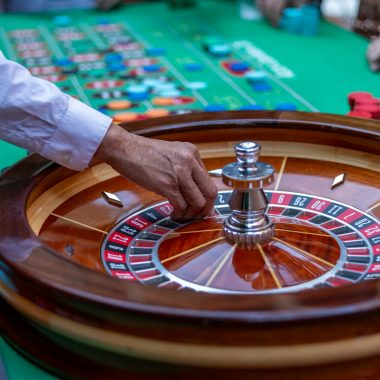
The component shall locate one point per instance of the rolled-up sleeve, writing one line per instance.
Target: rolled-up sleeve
(37, 116)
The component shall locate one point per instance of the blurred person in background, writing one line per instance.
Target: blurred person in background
(362, 16)
(34, 6)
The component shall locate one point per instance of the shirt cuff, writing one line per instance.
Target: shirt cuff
(78, 136)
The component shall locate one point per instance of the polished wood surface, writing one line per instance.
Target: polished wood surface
(73, 300)
(77, 227)
(300, 254)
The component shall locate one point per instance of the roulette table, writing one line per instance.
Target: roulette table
(101, 57)
(95, 288)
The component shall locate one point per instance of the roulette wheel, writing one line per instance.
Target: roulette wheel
(98, 282)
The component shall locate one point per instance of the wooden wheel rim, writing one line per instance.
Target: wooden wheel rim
(160, 128)
(110, 295)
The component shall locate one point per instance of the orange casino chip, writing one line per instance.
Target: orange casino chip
(119, 105)
(125, 117)
(157, 112)
(163, 101)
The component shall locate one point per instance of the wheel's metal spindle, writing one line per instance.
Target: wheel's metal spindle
(248, 224)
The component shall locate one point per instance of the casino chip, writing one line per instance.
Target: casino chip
(372, 101)
(161, 101)
(119, 105)
(151, 82)
(255, 76)
(252, 107)
(104, 84)
(109, 94)
(122, 40)
(63, 62)
(138, 97)
(215, 108)
(179, 100)
(137, 92)
(116, 66)
(164, 86)
(285, 107)
(103, 110)
(220, 50)
(113, 57)
(359, 97)
(212, 40)
(125, 117)
(262, 87)
(372, 109)
(62, 20)
(193, 67)
(183, 111)
(91, 66)
(239, 67)
(196, 85)
(43, 70)
(103, 21)
(153, 68)
(363, 104)
(157, 112)
(173, 101)
(42, 61)
(54, 78)
(170, 93)
(364, 115)
(155, 51)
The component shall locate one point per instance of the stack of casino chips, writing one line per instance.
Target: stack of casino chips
(365, 105)
(304, 20)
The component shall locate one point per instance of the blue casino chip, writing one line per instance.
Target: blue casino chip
(285, 107)
(252, 107)
(215, 108)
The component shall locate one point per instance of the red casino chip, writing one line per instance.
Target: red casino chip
(126, 47)
(89, 57)
(360, 114)
(138, 62)
(70, 36)
(228, 66)
(43, 70)
(34, 53)
(18, 33)
(372, 109)
(54, 78)
(105, 84)
(107, 27)
(30, 46)
(359, 97)
(179, 100)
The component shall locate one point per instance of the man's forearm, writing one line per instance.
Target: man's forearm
(38, 117)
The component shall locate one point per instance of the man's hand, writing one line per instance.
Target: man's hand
(172, 169)
(272, 9)
(373, 54)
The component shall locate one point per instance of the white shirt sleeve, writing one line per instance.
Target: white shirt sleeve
(37, 116)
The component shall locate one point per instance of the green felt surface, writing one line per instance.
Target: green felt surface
(314, 73)
(17, 367)
(9, 154)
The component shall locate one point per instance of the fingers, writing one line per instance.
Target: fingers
(192, 195)
(199, 193)
(207, 187)
(199, 160)
(172, 169)
(272, 9)
(196, 186)
(178, 203)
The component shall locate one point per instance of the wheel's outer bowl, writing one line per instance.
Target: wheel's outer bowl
(109, 328)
